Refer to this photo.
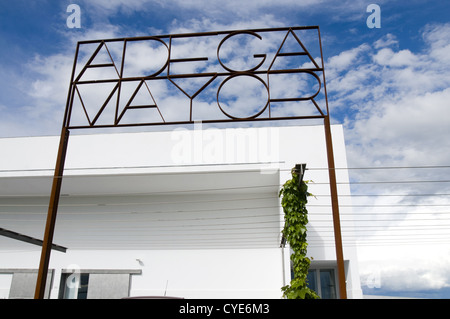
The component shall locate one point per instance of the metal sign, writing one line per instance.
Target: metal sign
(212, 77)
(182, 78)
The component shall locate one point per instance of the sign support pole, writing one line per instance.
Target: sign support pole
(335, 210)
(51, 215)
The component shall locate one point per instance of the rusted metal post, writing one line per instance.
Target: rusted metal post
(51, 216)
(335, 210)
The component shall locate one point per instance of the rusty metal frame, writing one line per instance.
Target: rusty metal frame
(164, 73)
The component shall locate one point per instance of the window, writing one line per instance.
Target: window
(74, 286)
(322, 279)
(96, 284)
(323, 282)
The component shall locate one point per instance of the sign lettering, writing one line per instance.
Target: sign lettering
(226, 76)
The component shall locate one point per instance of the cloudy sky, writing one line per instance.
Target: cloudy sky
(388, 84)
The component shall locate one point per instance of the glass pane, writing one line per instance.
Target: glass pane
(311, 280)
(71, 283)
(75, 286)
(83, 288)
(327, 284)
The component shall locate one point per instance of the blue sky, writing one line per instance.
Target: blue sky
(33, 31)
(388, 86)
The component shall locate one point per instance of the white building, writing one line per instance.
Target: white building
(183, 213)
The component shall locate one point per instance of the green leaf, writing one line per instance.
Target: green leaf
(293, 200)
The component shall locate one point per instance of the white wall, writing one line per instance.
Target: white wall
(190, 273)
(223, 273)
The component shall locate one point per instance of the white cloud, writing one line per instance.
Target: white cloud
(406, 268)
(403, 58)
(386, 41)
(399, 99)
(213, 7)
(437, 37)
(346, 59)
(44, 84)
(227, 12)
(57, 69)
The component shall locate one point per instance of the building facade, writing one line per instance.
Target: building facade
(183, 213)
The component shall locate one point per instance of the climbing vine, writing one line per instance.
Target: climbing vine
(294, 198)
